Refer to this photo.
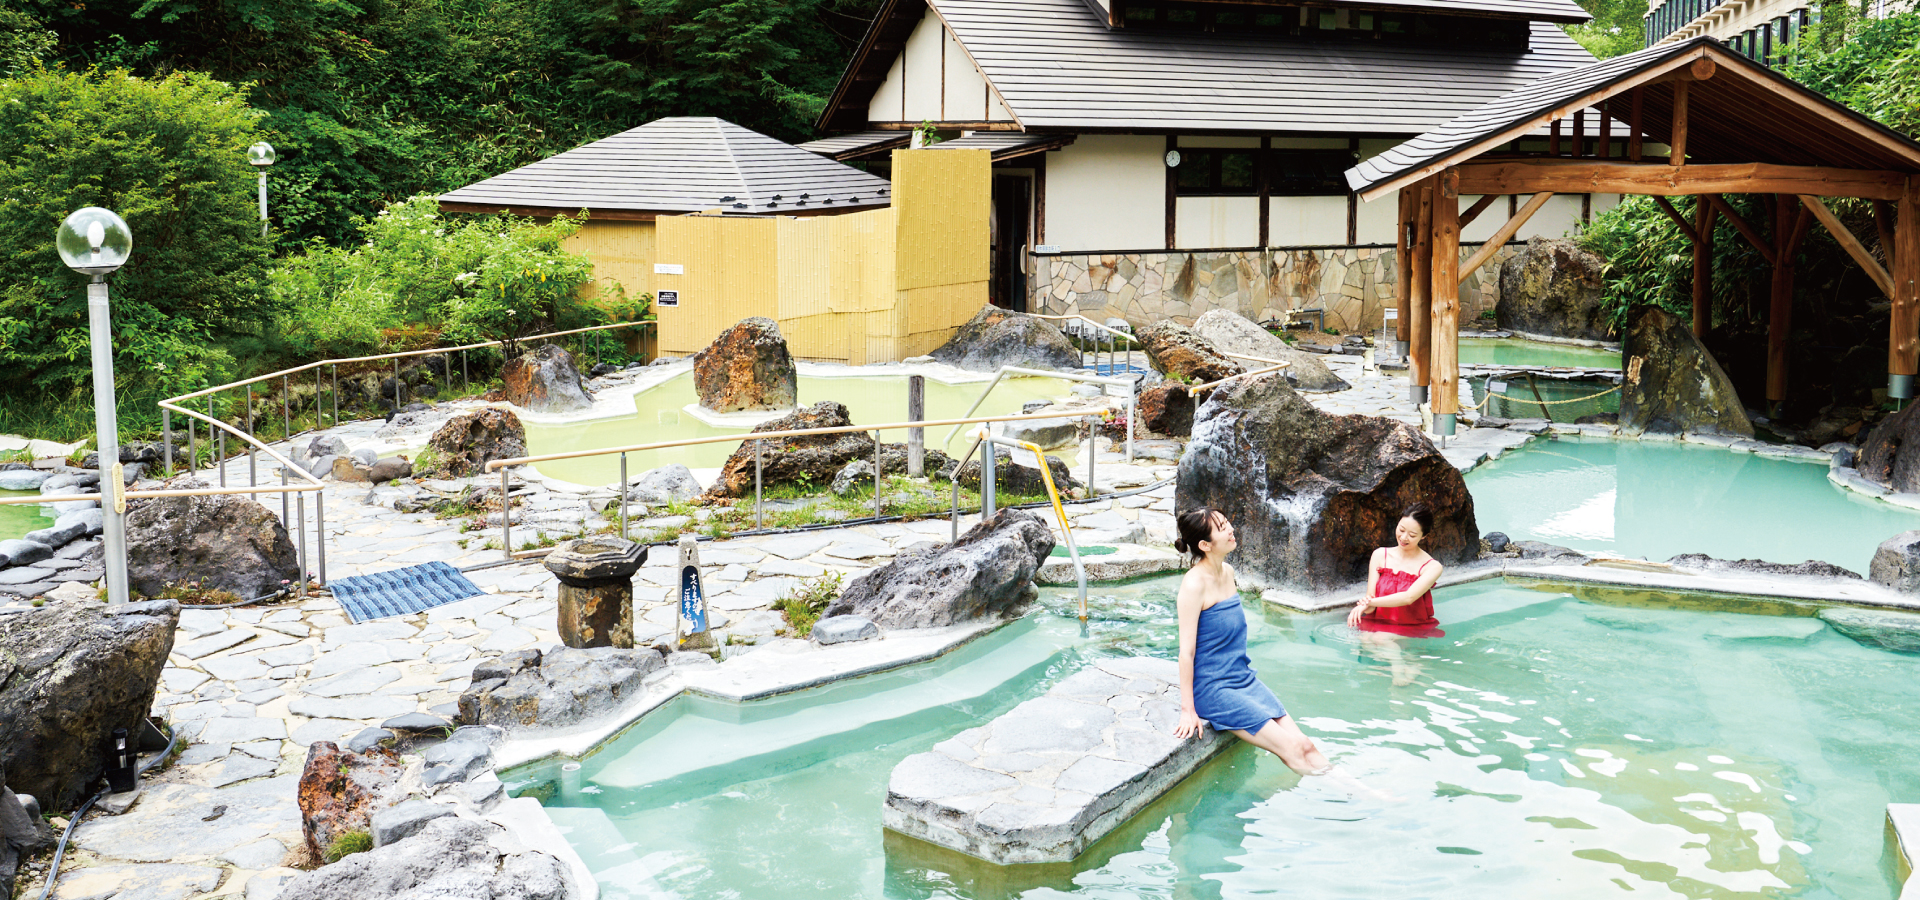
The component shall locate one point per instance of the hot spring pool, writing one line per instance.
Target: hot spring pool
(1656, 500)
(16, 519)
(659, 415)
(1519, 352)
(1553, 743)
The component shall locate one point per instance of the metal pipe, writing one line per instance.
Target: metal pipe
(623, 496)
(221, 450)
(303, 541)
(396, 386)
(193, 452)
(956, 490)
(759, 517)
(263, 203)
(106, 426)
(166, 437)
(320, 531)
(506, 517)
(1093, 450)
(1016, 370)
(253, 473)
(1133, 412)
(286, 517)
(466, 381)
(878, 488)
(286, 419)
(987, 476)
(336, 395)
(317, 422)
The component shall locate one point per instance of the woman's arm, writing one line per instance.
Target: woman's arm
(1429, 574)
(1373, 587)
(1188, 607)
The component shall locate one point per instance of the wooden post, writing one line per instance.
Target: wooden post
(1446, 302)
(1173, 174)
(1606, 129)
(1266, 187)
(1678, 156)
(1903, 348)
(1702, 265)
(1580, 132)
(1403, 270)
(917, 437)
(1553, 139)
(1780, 305)
(1635, 106)
(1420, 296)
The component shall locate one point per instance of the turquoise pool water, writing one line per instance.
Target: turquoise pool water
(18, 519)
(1656, 500)
(1518, 352)
(659, 415)
(1515, 398)
(1551, 744)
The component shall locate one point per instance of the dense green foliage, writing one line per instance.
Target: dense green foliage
(374, 101)
(1617, 27)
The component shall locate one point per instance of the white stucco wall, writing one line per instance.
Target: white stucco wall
(934, 80)
(1202, 223)
(1107, 192)
(1307, 221)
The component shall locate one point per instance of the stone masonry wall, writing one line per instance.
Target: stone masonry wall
(1353, 284)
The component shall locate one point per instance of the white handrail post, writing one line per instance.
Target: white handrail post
(1093, 450)
(623, 496)
(506, 517)
(759, 515)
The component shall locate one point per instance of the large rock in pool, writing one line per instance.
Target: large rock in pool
(1896, 564)
(565, 686)
(546, 380)
(997, 337)
(1230, 332)
(70, 673)
(747, 368)
(223, 542)
(448, 857)
(1673, 385)
(987, 573)
(1178, 353)
(1552, 288)
(811, 459)
(470, 440)
(1311, 494)
(1891, 454)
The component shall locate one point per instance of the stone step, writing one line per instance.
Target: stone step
(1126, 561)
(1058, 772)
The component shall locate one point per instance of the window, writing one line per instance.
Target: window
(1308, 173)
(1205, 172)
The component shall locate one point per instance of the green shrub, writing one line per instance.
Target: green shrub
(804, 603)
(348, 844)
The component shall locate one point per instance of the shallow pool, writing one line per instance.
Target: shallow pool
(1549, 745)
(18, 519)
(660, 415)
(1519, 352)
(1656, 500)
(1520, 397)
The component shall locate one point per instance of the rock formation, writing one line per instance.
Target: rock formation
(988, 572)
(1311, 494)
(997, 337)
(1178, 353)
(813, 459)
(470, 440)
(525, 689)
(341, 790)
(1552, 288)
(1011, 472)
(1896, 564)
(447, 857)
(1673, 385)
(747, 368)
(224, 542)
(21, 835)
(1166, 409)
(70, 673)
(666, 484)
(1891, 453)
(546, 380)
(1231, 332)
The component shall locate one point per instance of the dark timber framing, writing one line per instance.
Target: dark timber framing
(1730, 125)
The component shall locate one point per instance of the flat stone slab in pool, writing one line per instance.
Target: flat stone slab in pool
(1056, 773)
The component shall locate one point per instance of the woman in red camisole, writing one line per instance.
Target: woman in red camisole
(1400, 582)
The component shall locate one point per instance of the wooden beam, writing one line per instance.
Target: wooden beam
(1678, 156)
(1261, 169)
(1403, 266)
(1702, 263)
(1473, 212)
(1903, 348)
(1173, 175)
(1419, 331)
(1741, 225)
(1579, 132)
(1666, 206)
(1446, 296)
(1500, 237)
(1883, 223)
(1529, 176)
(1606, 129)
(1703, 69)
(1637, 108)
(1849, 243)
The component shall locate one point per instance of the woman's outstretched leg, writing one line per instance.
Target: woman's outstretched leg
(1284, 739)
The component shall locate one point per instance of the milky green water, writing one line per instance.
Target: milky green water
(1656, 500)
(1549, 745)
(1565, 401)
(660, 415)
(18, 519)
(1518, 352)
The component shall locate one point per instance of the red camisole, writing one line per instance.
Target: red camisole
(1415, 619)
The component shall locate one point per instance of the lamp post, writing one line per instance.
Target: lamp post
(260, 156)
(95, 242)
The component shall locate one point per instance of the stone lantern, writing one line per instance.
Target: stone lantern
(596, 590)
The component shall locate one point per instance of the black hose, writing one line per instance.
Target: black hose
(60, 851)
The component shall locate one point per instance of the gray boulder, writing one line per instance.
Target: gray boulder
(852, 477)
(987, 573)
(23, 479)
(1673, 385)
(666, 484)
(1887, 629)
(226, 542)
(1812, 568)
(448, 858)
(59, 535)
(1896, 564)
(1048, 434)
(17, 552)
(546, 380)
(747, 368)
(403, 820)
(526, 689)
(1231, 332)
(325, 445)
(21, 834)
(844, 630)
(367, 457)
(70, 673)
(997, 337)
(92, 520)
(1552, 288)
(1015, 472)
(389, 469)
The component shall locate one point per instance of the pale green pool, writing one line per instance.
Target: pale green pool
(17, 519)
(660, 415)
(1656, 500)
(1519, 352)
(1549, 745)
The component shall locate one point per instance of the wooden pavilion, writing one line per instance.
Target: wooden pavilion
(1696, 119)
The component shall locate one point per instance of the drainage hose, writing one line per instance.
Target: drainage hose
(60, 851)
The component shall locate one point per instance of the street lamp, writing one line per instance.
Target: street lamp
(95, 242)
(260, 156)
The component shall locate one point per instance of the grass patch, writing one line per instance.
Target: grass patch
(196, 593)
(803, 604)
(348, 844)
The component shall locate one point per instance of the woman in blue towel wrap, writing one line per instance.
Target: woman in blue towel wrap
(1216, 678)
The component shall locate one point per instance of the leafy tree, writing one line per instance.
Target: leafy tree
(167, 155)
(1617, 27)
(24, 41)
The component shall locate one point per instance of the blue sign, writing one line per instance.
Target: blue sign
(693, 605)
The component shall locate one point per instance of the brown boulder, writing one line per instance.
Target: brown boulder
(389, 469)
(545, 380)
(1176, 352)
(470, 440)
(1311, 494)
(1891, 453)
(341, 790)
(1673, 385)
(811, 459)
(1166, 409)
(747, 368)
(345, 469)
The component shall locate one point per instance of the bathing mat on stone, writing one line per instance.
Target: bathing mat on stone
(402, 591)
(1113, 370)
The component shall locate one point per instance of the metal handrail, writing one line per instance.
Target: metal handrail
(1113, 333)
(1133, 396)
(1060, 512)
(1196, 389)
